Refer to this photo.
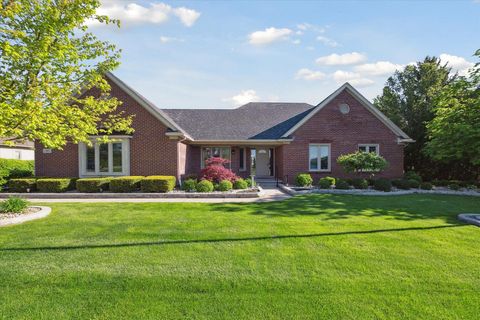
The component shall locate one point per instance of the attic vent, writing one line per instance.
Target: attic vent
(344, 108)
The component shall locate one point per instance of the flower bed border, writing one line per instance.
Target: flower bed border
(371, 192)
(42, 213)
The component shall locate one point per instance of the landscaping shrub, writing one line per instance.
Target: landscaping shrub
(304, 180)
(93, 184)
(413, 183)
(362, 162)
(440, 183)
(426, 186)
(125, 184)
(215, 171)
(371, 182)
(326, 182)
(11, 168)
(205, 186)
(13, 205)
(342, 184)
(250, 183)
(403, 184)
(22, 185)
(225, 185)
(454, 187)
(189, 185)
(383, 185)
(412, 175)
(56, 184)
(359, 183)
(240, 184)
(158, 184)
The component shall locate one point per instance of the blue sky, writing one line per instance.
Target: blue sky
(191, 54)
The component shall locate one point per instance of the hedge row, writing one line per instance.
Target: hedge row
(120, 184)
(192, 185)
(11, 169)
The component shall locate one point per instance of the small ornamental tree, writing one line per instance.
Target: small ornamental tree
(215, 170)
(362, 162)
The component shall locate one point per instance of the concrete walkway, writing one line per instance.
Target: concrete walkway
(271, 194)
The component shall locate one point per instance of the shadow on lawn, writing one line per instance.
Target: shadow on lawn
(335, 207)
(261, 238)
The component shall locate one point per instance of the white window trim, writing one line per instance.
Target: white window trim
(202, 163)
(82, 158)
(329, 169)
(244, 160)
(368, 145)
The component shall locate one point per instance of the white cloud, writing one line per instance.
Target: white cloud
(353, 78)
(296, 41)
(308, 26)
(187, 16)
(379, 68)
(327, 41)
(155, 13)
(458, 64)
(269, 35)
(307, 74)
(342, 59)
(244, 97)
(164, 39)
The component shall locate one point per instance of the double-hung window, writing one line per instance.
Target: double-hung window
(319, 157)
(105, 159)
(215, 152)
(369, 148)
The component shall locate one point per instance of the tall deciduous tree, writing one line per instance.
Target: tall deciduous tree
(454, 132)
(47, 60)
(408, 99)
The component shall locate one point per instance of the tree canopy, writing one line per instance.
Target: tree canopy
(48, 59)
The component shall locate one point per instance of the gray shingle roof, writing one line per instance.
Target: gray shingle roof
(255, 120)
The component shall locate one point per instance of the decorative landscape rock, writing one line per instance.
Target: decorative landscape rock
(472, 218)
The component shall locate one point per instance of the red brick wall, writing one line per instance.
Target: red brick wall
(151, 151)
(344, 133)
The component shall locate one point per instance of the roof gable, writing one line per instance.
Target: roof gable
(359, 97)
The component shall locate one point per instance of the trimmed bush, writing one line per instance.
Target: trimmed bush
(240, 184)
(342, 184)
(250, 183)
(383, 185)
(326, 182)
(304, 180)
(440, 183)
(189, 185)
(56, 184)
(158, 184)
(225, 185)
(22, 185)
(12, 168)
(454, 187)
(13, 205)
(412, 175)
(414, 183)
(359, 183)
(205, 186)
(125, 184)
(93, 184)
(426, 186)
(403, 184)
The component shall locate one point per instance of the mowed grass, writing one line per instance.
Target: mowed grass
(310, 257)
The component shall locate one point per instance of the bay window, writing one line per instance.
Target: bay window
(319, 157)
(215, 152)
(105, 159)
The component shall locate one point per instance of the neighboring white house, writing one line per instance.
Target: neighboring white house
(21, 151)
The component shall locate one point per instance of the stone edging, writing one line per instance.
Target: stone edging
(472, 218)
(44, 211)
(293, 192)
(136, 195)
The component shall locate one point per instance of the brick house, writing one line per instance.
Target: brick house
(269, 140)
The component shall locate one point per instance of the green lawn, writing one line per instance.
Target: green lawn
(310, 257)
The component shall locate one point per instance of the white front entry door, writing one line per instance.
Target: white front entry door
(263, 162)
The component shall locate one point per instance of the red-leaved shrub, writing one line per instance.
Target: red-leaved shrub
(215, 170)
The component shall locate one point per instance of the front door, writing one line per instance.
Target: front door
(263, 162)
